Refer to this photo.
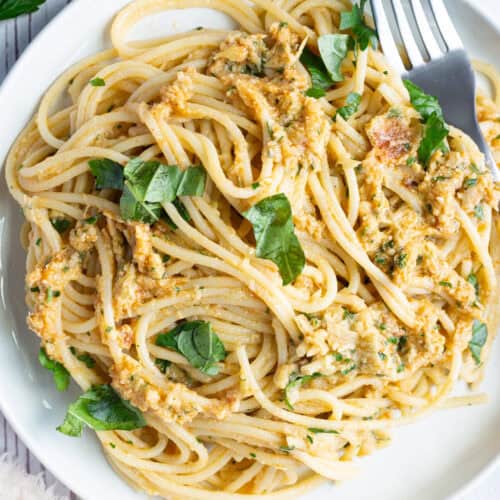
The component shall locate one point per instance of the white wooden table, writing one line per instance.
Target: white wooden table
(15, 35)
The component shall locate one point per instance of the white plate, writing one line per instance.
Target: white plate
(432, 459)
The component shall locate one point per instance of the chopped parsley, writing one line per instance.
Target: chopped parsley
(97, 82)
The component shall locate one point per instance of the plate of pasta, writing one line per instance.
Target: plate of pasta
(248, 268)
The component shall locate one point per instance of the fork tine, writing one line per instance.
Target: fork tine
(426, 33)
(385, 36)
(445, 25)
(409, 42)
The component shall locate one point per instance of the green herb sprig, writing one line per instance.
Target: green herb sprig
(13, 8)
(102, 409)
(198, 343)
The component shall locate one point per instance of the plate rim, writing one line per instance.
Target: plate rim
(14, 72)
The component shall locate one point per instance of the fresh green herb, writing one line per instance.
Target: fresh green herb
(479, 337)
(472, 279)
(282, 24)
(113, 445)
(146, 185)
(320, 78)
(13, 8)
(162, 364)
(347, 314)
(382, 326)
(338, 356)
(379, 259)
(38, 242)
(354, 20)
(165, 258)
(60, 225)
(60, 374)
(108, 174)
(446, 284)
(470, 182)
(84, 358)
(256, 185)
(349, 370)
(402, 342)
(108, 329)
(297, 380)
(97, 82)
(317, 430)
(400, 368)
(310, 439)
(287, 449)
(435, 133)
(198, 343)
(435, 129)
(393, 340)
(315, 92)
(479, 212)
(351, 105)
(333, 50)
(101, 409)
(253, 455)
(382, 356)
(52, 294)
(439, 178)
(410, 160)
(274, 233)
(270, 131)
(400, 260)
(91, 220)
(427, 105)
(35, 289)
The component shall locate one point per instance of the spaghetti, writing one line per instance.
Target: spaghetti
(315, 283)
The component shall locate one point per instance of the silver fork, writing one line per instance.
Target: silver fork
(446, 74)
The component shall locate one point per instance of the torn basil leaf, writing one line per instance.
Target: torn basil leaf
(60, 374)
(61, 225)
(352, 103)
(108, 174)
(274, 233)
(478, 339)
(320, 78)
(102, 409)
(333, 50)
(355, 21)
(435, 128)
(198, 343)
(147, 184)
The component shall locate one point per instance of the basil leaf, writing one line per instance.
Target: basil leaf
(14, 8)
(151, 181)
(315, 92)
(60, 225)
(333, 50)
(97, 82)
(198, 343)
(296, 380)
(316, 430)
(354, 20)
(108, 174)
(131, 208)
(320, 78)
(472, 279)
(162, 364)
(351, 105)
(60, 374)
(101, 409)
(425, 104)
(435, 132)
(479, 337)
(192, 182)
(273, 229)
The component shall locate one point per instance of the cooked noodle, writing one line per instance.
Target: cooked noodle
(390, 250)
